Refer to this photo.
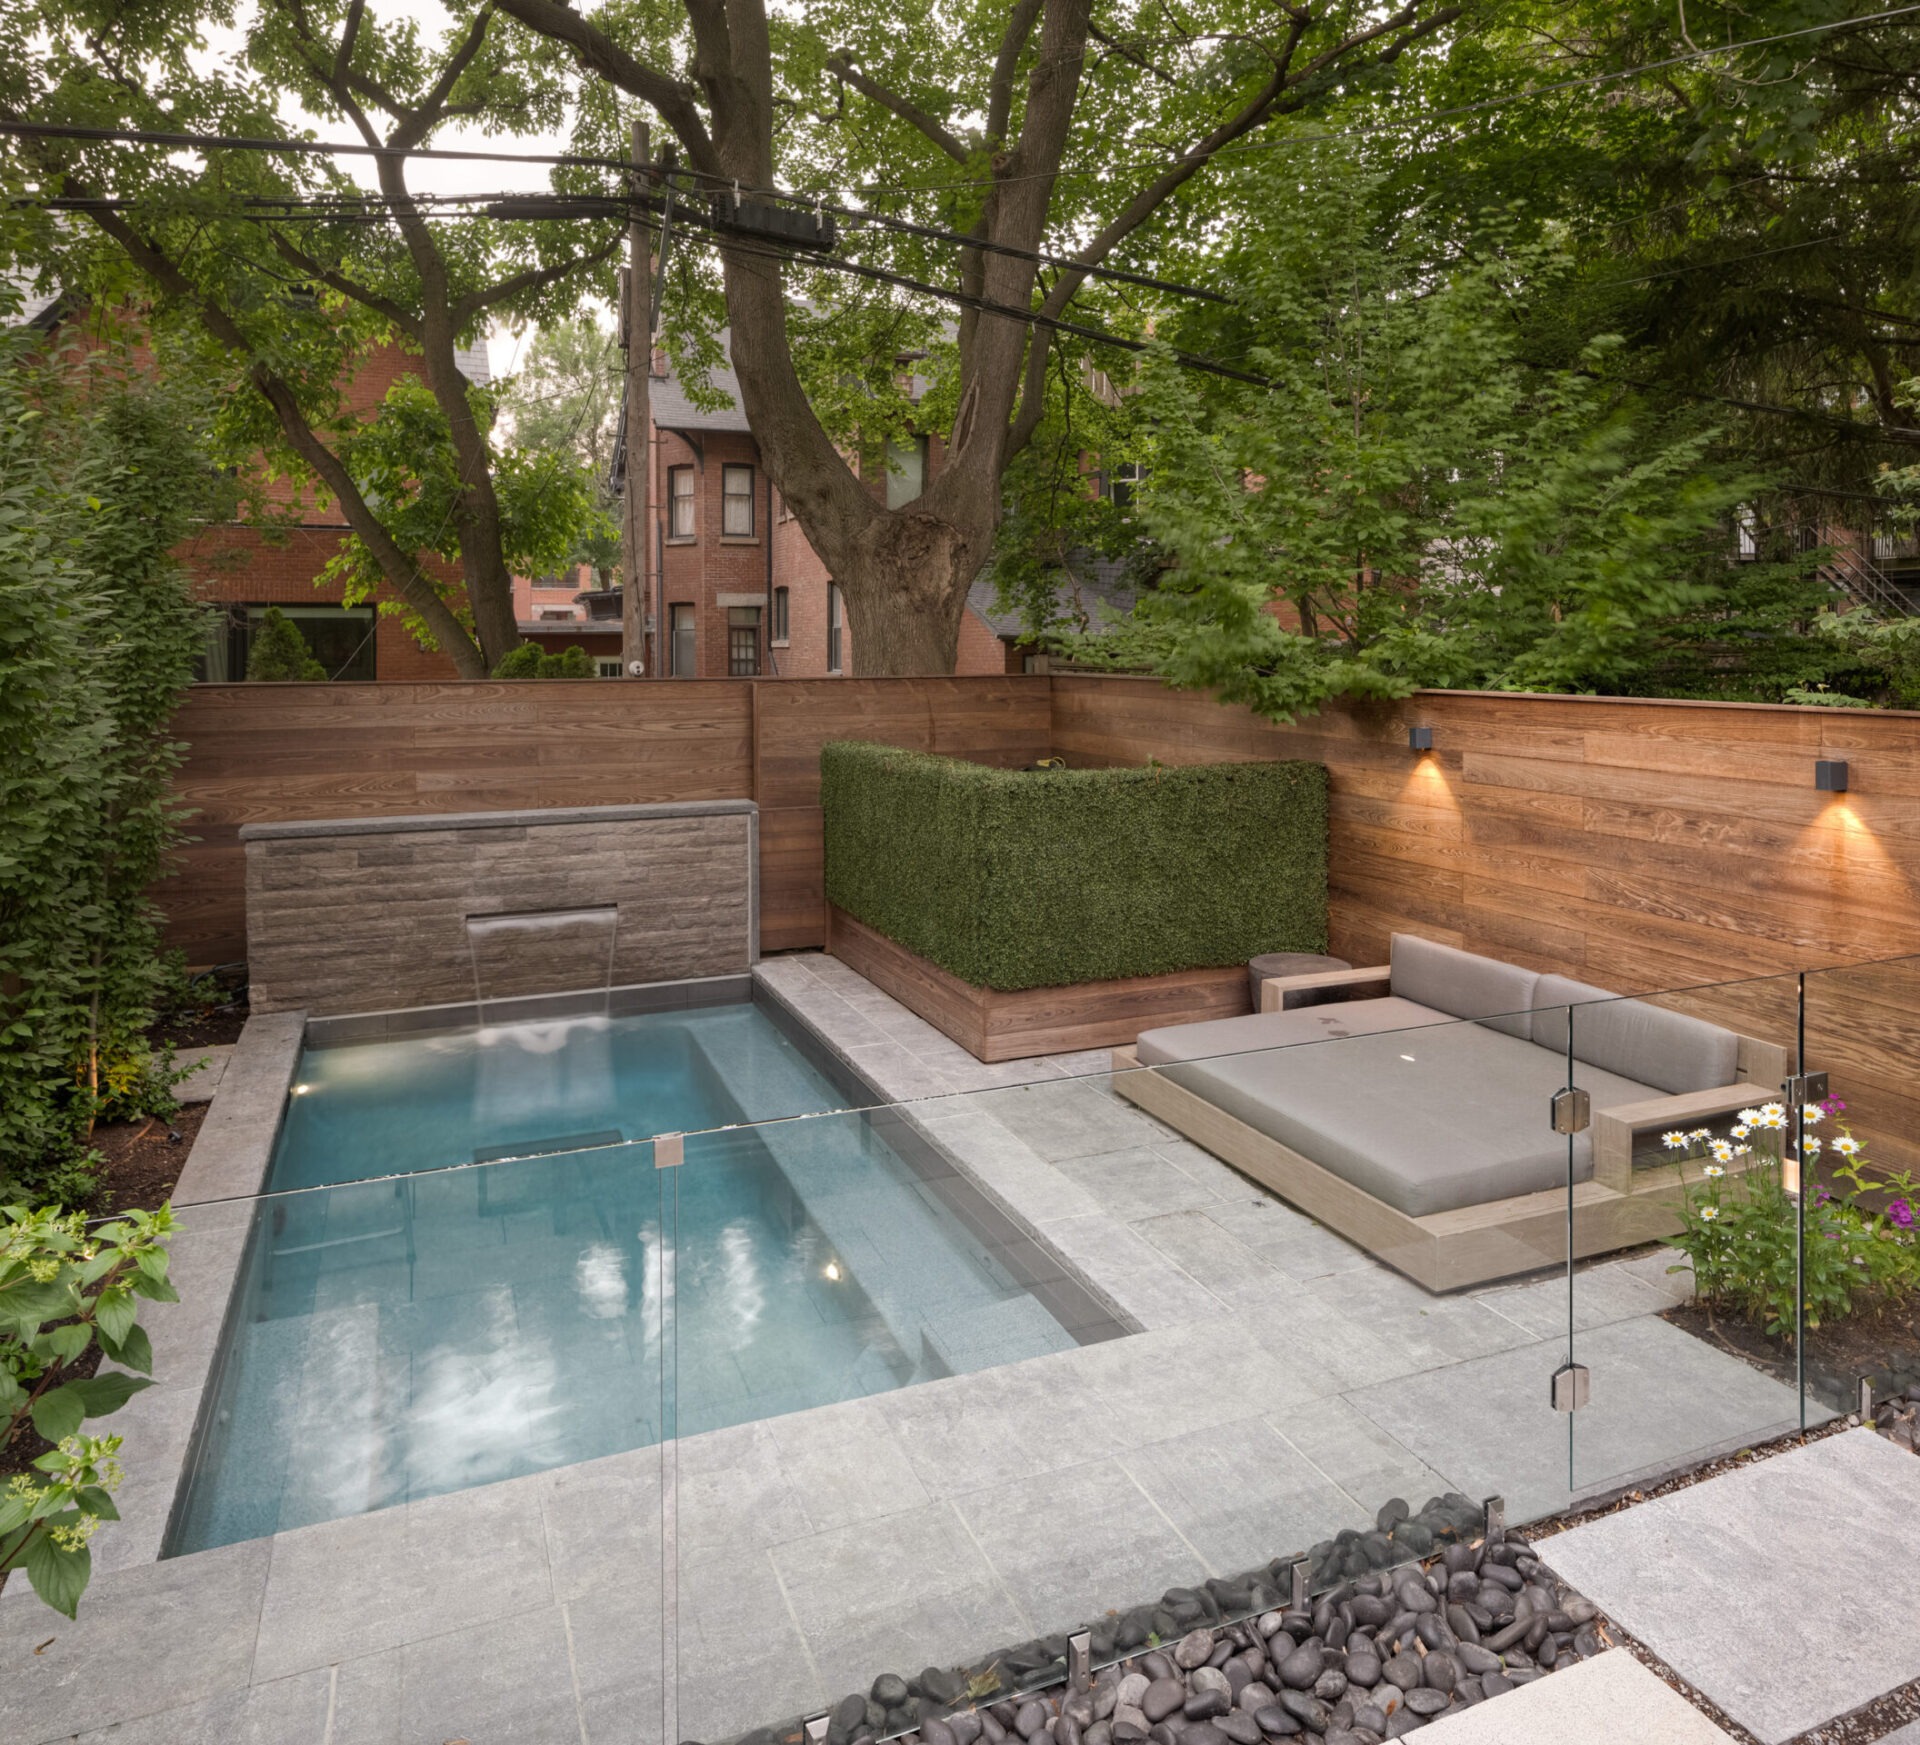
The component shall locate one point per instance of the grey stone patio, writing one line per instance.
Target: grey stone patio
(1281, 1387)
(1608, 1700)
(1784, 1591)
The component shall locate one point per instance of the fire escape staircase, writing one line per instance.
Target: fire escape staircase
(1866, 584)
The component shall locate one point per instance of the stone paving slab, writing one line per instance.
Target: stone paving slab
(1783, 1591)
(1609, 1700)
(207, 1064)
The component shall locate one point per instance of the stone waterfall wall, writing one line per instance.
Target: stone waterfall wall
(369, 915)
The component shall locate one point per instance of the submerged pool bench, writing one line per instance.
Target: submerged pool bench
(1417, 1123)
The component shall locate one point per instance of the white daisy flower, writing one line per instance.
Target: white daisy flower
(1743, 1130)
(1701, 1133)
(1713, 1169)
(1722, 1151)
(1772, 1116)
(1709, 1212)
(1846, 1145)
(1673, 1141)
(1812, 1114)
(1810, 1145)
(1749, 1117)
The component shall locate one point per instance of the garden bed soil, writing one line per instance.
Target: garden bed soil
(143, 1160)
(190, 1031)
(1883, 1347)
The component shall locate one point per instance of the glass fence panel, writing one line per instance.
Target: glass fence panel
(1096, 1352)
(1862, 1274)
(404, 1444)
(1681, 1337)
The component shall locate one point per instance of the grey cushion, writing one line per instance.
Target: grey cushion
(1304, 1024)
(1668, 1050)
(1428, 1120)
(1464, 984)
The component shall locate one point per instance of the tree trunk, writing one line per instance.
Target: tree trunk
(905, 584)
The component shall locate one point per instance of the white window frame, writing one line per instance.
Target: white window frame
(731, 499)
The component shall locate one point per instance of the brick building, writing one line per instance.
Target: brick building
(734, 588)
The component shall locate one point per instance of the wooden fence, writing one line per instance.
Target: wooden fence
(1637, 845)
(273, 753)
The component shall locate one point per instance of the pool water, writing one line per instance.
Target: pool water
(413, 1323)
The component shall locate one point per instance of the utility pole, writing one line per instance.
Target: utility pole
(636, 519)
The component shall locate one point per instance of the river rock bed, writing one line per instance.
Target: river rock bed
(1385, 1648)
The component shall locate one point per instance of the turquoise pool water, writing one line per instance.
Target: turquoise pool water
(448, 1326)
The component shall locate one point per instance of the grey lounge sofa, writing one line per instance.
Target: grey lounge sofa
(1417, 1122)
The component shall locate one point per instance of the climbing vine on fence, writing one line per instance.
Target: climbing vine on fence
(100, 477)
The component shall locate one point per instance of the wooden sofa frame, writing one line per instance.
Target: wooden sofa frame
(1620, 1207)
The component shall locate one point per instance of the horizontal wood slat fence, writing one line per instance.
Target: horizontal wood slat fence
(1639, 845)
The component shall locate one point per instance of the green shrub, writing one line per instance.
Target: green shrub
(530, 661)
(280, 653)
(1043, 878)
(98, 633)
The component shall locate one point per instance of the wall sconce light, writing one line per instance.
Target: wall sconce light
(1830, 775)
(1421, 739)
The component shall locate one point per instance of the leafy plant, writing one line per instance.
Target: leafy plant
(530, 661)
(280, 652)
(65, 1290)
(99, 479)
(1741, 1232)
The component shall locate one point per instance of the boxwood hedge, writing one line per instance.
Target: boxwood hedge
(1043, 878)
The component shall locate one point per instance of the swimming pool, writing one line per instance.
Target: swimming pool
(468, 1267)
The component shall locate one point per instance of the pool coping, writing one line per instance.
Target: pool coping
(214, 1203)
(400, 824)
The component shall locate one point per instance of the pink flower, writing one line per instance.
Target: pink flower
(1832, 1105)
(1901, 1213)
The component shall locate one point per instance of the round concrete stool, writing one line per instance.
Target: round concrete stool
(1286, 963)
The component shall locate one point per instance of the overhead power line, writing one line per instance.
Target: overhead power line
(768, 249)
(244, 142)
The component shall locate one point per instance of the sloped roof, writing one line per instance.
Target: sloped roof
(1100, 590)
(672, 410)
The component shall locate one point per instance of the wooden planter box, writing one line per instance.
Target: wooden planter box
(1011, 1026)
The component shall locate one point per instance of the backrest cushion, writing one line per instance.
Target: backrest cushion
(1667, 1050)
(1463, 984)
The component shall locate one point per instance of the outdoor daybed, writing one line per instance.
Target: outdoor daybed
(1428, 1140)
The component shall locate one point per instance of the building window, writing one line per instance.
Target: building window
(679, 502)
(736, 502)
(607, 666)
(682, 662)
(340, 638)
(1123, 483)
(782, 621)
(833, 627)
(906, 471)
(743, 642)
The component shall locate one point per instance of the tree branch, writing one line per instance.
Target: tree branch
(841, 64)
(671, 99)
(425, 115)
(1281, 92)
(402, 318)
(1006, 63)
(401, 571)
(530, 280)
